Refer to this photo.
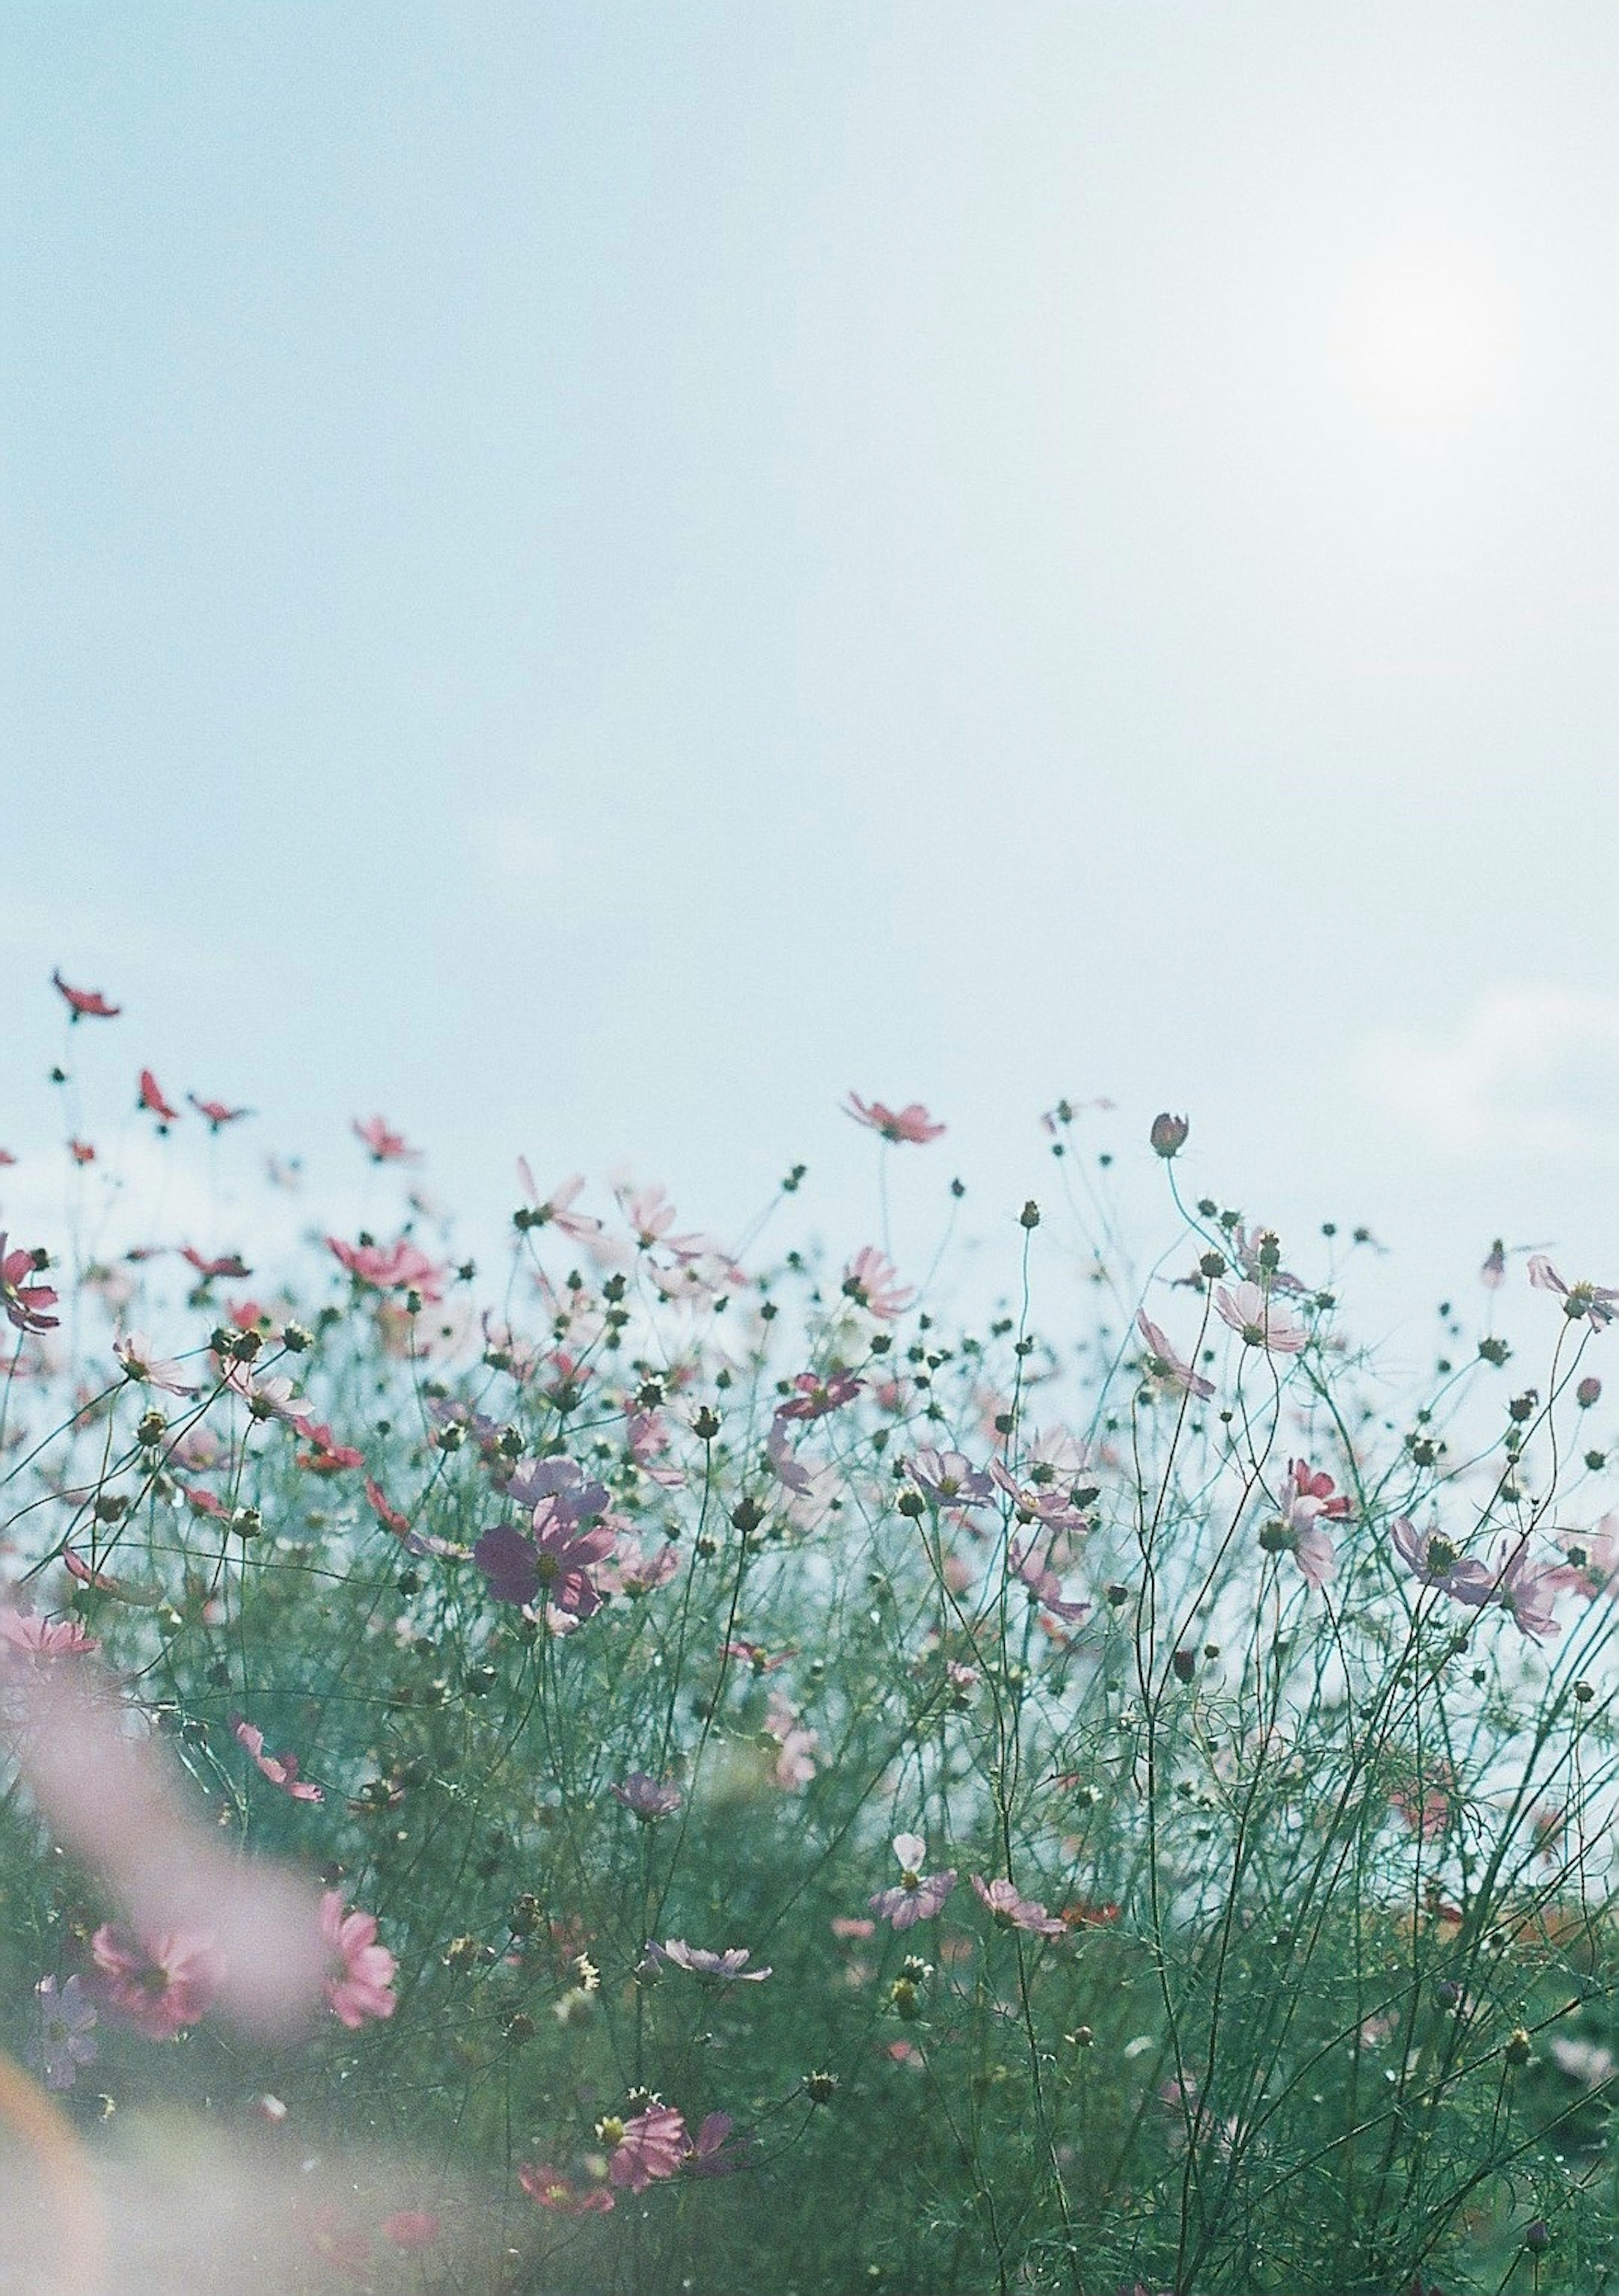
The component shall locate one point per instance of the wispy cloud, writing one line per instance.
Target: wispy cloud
(1528, 1071)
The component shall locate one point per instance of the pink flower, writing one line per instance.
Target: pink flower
(1591, 1566)
(555, 1210)
(650, 2147)
(326, 1455)
(1249, 1309)
(916, 1897)
(874, 1283)
(558, 1558)
(1163, 1362)
(912, 1122)
(411, 2228)
(142, 1363)
(414, 1542)
(645, 1797)
(795, 1766)
(1527, 1596)
(550, 2189)
(216, 1114)
(727, 1968)
(230, 1264)
(25, 1303)
(1310, 1502)
(651, 1216)
(396, 1267)
(783, 1464)
(157, 1980)
(814, 1396)
(37, 1638)
(1493, 1272)
(1438, 1563)
(271, 1396)
(1599, 1302)
(86, 1003)
(150, 1096)
(360, 1985)
(1044, 1583)
(950, 1480)
(1015, 1912)
(281, 1769)
(384, 1145)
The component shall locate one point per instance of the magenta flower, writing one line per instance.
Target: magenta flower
(1044, 1583)
(556, 1209)
(1527, 1596)
(24, 1303)
(912, 1122)
(142, 1363)
(645, 1797)
(1249, 1309)
(157, 1980)
(281, 1769)
(84, 1003)
(382, 1144)
(1013, 1912)
(814, 1396)
(62, 2039)
(229, 1264)
(572, 1493)
(1597, 1302)
(1310, 1501)
(1050, 1506)
(650, 2147)
(398, 1266)
(360, 1984)
(727, 1968)
(558, 1558)
(950, 1480)
(915, 1897)
(1163, 1362)
(873, 1282)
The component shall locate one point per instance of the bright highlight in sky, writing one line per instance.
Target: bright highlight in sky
(1426, 332)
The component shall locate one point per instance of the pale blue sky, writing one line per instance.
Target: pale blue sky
(594, 577)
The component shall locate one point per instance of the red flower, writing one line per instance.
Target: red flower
(81, 1152)
(151, 1099)
(215, 1112)
(86, 1003)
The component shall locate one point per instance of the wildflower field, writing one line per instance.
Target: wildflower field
(658, 1763)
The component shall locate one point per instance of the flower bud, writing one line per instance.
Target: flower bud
(1168, 1135)
(1588, 1391)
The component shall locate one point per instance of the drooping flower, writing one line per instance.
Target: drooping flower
(216, 1113)
(1527, 1595)
(228, 1264)
(360, 1984)
(873, 1283)
(1250, 1311)
(552, 2189)
(950, 1480)
(1034, 1571)
(1163, 1363)
(64, 2035)
(642, 1794)
(142, 1363)
(650, 2147)
(281, 1769)
(382, 1144)
(157, 1981)
(150, 1096)
(912, 1122)
(25, 1303)
(1598, 1303)
(727, 1968)
(915, 1897)
(1013, 1912)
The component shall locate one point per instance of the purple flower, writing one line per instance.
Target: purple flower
(1437, 1564)
(726, 1968)
(642, 1794)
(563, 1482)
(950, 1480)
(918, 1896)
(714, 2151)
(813, 1397)
(1597, 1302)
(1043, 1584)
(61, 2041)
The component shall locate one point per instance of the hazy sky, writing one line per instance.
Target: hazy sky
(592, 577)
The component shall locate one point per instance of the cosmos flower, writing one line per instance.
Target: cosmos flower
(915, 1897)
(1249, 1310)
(550, 2189)
(157, 1981)
(281, 1769)
(216, 1114)
(912, 1122)
(873, 1283)
(360, 1981)
(150, 1096)
(1163, 1363)
(643, 1795)
(1598, 1303)
(650, 2147)
(25, 1303)
(86, 1003)
(950, 1480)
(142, 1363)
(1013, 1912)
(727, 1968)
(382, 1144)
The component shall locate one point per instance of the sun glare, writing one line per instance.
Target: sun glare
(1426, 333)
